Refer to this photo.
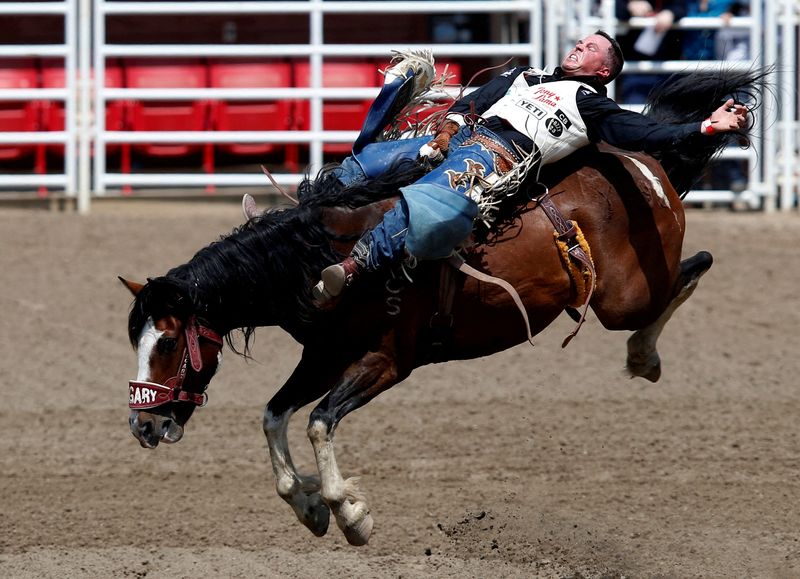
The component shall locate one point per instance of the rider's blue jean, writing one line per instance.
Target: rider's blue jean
(387, 239)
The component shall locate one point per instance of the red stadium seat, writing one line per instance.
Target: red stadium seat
(337, 115)
(167, 115)
(18, 116)
(53, 115)
(273, 115)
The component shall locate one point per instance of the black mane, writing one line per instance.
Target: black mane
(690, 99)
(263, 271)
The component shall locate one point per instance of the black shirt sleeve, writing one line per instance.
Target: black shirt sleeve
(629, 130)
(488, 94)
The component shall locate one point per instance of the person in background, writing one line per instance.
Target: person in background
(727, 44)
(658, 43)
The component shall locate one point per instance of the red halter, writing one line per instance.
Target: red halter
(145, 395)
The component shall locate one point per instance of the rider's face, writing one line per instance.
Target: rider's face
(588, 58)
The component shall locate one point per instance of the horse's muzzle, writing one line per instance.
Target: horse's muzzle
(150, 429)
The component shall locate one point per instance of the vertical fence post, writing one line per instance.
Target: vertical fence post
(84, 118)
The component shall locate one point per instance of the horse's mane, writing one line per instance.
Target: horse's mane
(268, 264)
(688, 98)
(327, 191)
(263, 265)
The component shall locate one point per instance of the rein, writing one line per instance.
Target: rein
(146, 395)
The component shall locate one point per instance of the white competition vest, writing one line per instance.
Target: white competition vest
(547, 113)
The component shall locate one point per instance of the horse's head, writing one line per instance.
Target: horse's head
(178, 356)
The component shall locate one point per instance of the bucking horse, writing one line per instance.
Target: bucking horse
(623, 209)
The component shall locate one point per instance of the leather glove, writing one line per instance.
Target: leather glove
(435, 149)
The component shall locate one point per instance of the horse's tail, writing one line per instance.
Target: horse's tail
(691, 98)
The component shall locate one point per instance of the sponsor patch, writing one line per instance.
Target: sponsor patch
(555, 127)
(559, 114)
(531, 109)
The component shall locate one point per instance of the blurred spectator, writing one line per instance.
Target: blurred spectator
(655, 43)
(710, 43)
(724, 43)
(733, 43)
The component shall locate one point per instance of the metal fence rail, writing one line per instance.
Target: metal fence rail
(64, 181)
(316, 51)
(548, 28)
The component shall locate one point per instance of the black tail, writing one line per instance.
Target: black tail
(692, 98)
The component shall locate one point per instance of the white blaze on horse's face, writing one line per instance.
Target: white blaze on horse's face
(150, 428)
(147, 343)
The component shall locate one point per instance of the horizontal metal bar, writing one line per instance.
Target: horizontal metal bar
(238, 93)
(283, 50)
(21, 94)
(27, 180)
(685, 23)
(32, 50)
(199, 179)
(33, 8)
(32, 137)
(687, 66)
(427, 7)
(227, 136)
(721, 196)
(419, 6)
(283, 93)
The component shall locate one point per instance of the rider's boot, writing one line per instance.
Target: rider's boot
(409, 75)
(335, 279)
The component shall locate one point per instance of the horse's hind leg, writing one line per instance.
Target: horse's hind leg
(373, 374)
(300, 491)
(643, 358)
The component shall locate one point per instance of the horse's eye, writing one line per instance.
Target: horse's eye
(166, 346)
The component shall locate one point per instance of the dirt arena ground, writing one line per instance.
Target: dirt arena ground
(537, 462)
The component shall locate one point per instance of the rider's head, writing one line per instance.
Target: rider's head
(597, 55)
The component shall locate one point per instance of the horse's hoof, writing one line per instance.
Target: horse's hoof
(358, 533)
(649, 368)
(317, 516)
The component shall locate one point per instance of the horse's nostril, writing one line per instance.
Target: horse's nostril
(146, 428)
(165, 426)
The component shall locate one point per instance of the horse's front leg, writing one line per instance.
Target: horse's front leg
(300, 491)
(362, 382)
(309, 381)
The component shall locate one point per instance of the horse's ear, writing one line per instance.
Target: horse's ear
(132, 286)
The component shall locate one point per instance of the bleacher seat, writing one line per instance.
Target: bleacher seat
(167, 115)
(53, 114)
(275, 115)
(18, 116)
(337, 115)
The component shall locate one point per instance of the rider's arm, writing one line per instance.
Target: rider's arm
(481, 99)
(629, 130)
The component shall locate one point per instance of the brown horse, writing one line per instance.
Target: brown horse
(262, 274)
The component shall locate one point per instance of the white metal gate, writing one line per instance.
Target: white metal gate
(549, 26)
(64, 181)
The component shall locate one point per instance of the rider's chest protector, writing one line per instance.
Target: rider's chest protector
(547, 113)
